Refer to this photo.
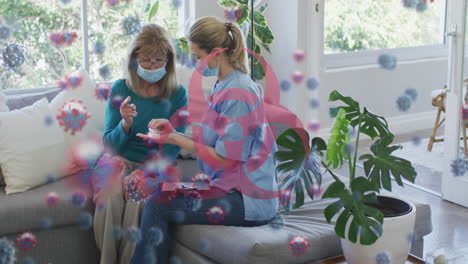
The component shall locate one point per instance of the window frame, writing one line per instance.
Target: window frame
(404, 54)
(185, 12)
(363, 58)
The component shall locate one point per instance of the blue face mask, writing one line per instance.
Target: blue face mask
(151, 76)
(207, 72)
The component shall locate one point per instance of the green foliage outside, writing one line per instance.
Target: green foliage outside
(33, 21)
(384, 24)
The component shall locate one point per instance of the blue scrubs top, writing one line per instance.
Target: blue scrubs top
(237, 131)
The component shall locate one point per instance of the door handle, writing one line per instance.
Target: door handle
(451, 34)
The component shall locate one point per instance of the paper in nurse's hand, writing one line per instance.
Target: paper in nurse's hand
(172, 186)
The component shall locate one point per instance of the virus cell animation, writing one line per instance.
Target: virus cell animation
(102, 91)
(215, 215)
(312, 83)
(73, 116)
(26, 241)
(299, 56)
(387, 61)
(5, 32)
(52, 199)
(297, 77)
(314, 125)
(99, 48)
(232, 14)
(285, 85)
(63, 38)
(7, 252)
(201, 179)
(131, 25)
(298, 245)
(13, 56)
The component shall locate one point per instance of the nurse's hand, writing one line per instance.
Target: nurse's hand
(161, 131)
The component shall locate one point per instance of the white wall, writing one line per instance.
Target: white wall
(373, 87)
(378, 90)
(284, 28)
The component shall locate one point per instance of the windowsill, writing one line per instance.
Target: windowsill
(374, 65)
(14, 92)
(368, 59)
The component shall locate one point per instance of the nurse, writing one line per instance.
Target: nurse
(225, 151)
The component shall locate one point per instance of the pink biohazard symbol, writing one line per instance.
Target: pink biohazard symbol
(266, 110)
(73, 116)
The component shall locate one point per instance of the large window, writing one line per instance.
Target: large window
(41, 41)
(367, 25)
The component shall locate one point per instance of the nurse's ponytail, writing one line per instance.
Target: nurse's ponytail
(211, 32)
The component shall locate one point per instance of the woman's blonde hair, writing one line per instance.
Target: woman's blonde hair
(153, 40)
(211, 32)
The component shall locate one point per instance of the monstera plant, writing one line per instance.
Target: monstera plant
(356, 208)
(250, 14)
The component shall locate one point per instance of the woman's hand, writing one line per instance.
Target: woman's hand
(160, 131)
(128, 112)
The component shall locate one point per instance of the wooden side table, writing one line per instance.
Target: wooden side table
(341, 260)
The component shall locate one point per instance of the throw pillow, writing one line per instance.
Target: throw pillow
(32, 148)
(79, 110)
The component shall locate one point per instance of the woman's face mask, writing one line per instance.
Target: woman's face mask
(145, 64)
(151, 76)
(207, 72)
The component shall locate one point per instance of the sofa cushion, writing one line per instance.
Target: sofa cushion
(263, 244)
(24, 211)
(270, 244)
(22, 158)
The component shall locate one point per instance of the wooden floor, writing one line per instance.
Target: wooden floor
(450, 221)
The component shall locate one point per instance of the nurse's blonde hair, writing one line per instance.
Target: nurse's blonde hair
(153, 40)
(211, 32)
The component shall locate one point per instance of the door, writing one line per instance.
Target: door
(455, 179)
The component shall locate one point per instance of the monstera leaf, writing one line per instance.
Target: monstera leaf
(296, 164)
(314, 164)
(153, 10)
(338, 139)
(366, 221)
(381, 164)
(371, 124)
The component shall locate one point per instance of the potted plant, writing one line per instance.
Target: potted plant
(250, 16)
(372, 227)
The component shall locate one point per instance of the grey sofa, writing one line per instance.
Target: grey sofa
(65, 242)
